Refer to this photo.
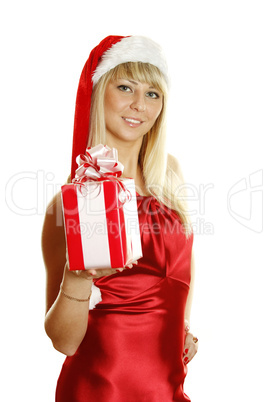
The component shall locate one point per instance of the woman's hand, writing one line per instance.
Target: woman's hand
(100, 272)
(190, 347)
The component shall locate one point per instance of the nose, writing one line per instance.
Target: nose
(138, 103)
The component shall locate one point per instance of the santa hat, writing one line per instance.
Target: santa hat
(111, 51)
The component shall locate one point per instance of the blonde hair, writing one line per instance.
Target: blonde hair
(161, 180)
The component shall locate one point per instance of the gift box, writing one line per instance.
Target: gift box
(100, 213)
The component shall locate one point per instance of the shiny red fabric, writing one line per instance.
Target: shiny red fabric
(133, 348)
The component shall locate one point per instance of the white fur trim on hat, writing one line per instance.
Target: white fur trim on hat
(131, 49)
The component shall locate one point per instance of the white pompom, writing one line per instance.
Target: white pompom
(95, 297)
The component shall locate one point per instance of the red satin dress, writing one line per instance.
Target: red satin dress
(133, 347)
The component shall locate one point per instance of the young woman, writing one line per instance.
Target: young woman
(135, 344)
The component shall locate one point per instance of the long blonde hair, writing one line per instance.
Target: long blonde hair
(161, 181)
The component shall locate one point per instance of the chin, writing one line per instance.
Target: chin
(127, 137)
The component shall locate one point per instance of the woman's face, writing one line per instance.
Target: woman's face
(131, 109)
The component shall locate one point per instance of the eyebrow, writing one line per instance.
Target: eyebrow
(135, 83)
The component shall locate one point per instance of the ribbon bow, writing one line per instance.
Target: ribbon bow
(97, 164)
(100, 163)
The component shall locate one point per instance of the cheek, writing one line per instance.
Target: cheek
(108, 104)
(113, 104)
(155, 112)
(110, 100)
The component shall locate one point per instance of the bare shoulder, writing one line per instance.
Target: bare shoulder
(53, 247)
(174, 165)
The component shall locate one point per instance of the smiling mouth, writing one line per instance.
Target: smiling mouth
(132, 121)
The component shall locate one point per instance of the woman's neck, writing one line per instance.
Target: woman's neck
(128, 155)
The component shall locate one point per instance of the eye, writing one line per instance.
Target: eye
(124, 88)
(152, 95)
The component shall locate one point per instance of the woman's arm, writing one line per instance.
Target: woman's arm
(191, 345)
(191, 342)
(191, 292)
(174, 165)
(66, 320)
(66, 315)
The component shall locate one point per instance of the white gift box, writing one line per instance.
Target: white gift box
(101, 227)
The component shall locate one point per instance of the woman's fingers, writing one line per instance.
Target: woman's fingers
(98, 273)
(190, 347)
(131, 264)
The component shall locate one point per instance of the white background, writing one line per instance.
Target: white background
(217, 53)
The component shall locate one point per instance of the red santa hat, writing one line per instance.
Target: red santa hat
(111, 51)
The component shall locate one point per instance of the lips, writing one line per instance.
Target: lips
(132, 122)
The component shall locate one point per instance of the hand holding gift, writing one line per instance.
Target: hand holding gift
(100, 213)
(97, 273)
